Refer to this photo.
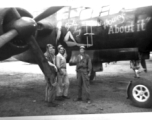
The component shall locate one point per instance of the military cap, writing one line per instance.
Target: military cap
(50, 45)
(82, 47)
(59, 46)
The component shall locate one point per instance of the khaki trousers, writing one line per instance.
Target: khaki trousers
(63, 83)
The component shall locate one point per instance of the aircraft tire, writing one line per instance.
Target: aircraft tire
(140, 93)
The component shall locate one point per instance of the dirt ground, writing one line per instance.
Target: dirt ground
(22, 91)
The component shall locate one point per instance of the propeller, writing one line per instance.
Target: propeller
(47, 12)
(7, 37)
(16, 14)
(25, 27)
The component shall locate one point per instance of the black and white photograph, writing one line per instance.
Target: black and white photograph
(76, 59)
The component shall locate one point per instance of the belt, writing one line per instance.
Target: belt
(83, 68)
(63, 68)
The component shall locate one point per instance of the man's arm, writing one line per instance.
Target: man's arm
(89, 65)
(51, 64)
(77, 60)
(58, 35)
(58, 64)
(65, 54)
(58, 61)
(45, 55)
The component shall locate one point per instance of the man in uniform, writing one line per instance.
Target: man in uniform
(83, 69)
(50, 91)
(63, 80)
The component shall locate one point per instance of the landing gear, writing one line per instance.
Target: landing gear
(140, 93)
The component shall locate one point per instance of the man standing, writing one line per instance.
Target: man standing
(134, 64)
(50, 91)
(83, 69)
(63, 80)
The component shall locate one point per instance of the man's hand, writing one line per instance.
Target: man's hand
(61, 72)
(89, 74)
(51, 64)
(55, 68)
(55, 83)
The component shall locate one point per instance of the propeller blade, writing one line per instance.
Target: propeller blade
(11, 15)
(7, 37)
(48, 12)
(41, 60)
(16, 14)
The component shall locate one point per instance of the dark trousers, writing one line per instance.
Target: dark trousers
(142, 60)
(143, 64)
(50, 93)
(83, 82)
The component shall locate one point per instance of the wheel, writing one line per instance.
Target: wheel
(140, 93)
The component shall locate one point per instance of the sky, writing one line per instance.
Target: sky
(37, 5)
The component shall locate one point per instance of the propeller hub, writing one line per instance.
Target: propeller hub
(25, 26)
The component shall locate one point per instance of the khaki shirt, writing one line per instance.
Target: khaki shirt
(60, 61)
(84, 63)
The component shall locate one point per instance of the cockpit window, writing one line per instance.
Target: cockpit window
(74, 13)
(105, 10)
(96, 12)
(63, 13)
(86, 14)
